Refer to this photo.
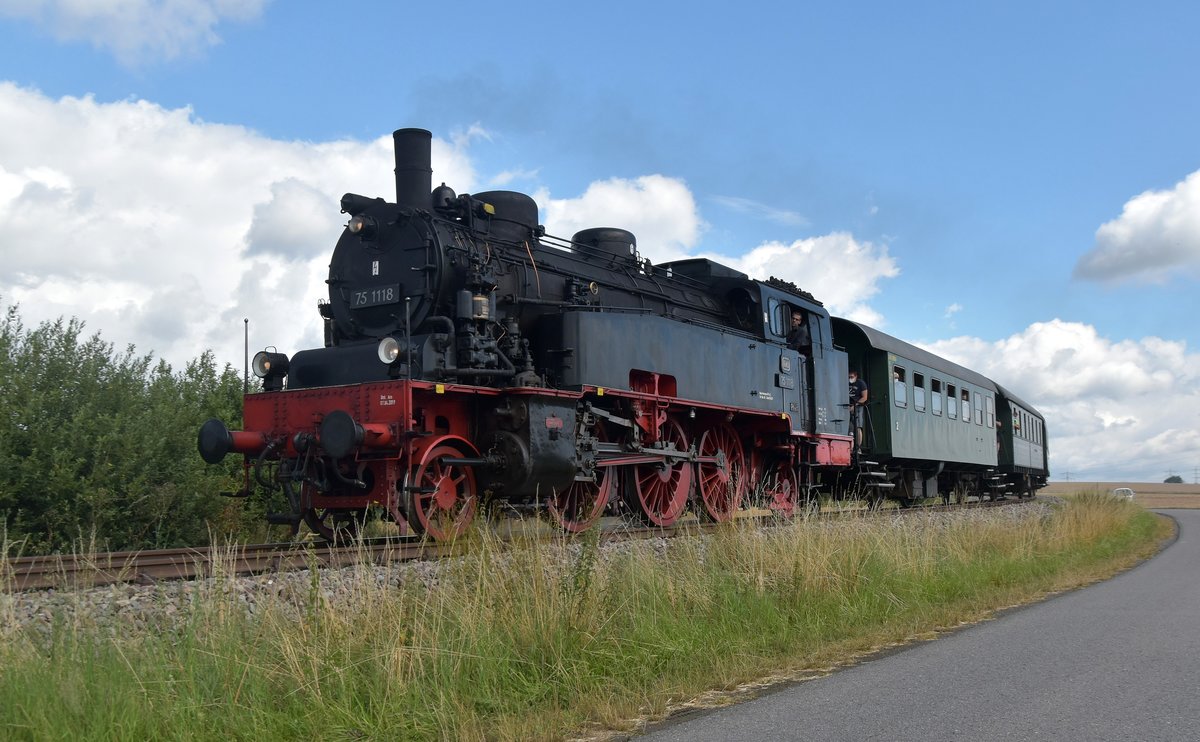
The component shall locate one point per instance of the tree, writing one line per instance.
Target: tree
(95, 442)
(1173, 479)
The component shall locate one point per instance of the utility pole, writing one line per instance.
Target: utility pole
(246, 357)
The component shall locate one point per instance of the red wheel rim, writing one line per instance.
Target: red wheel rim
(442, 499)
(662, 488)
(335, 526)
(578, 507)
(722, 485)
(781, 489)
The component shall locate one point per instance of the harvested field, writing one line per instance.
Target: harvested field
(1149, 494)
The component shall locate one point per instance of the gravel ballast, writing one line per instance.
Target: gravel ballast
(127, 609)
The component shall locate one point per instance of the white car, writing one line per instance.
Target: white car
(1123, 492)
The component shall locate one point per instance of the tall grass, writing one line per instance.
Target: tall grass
(533, 641)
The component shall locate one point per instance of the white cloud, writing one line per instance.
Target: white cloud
(136, 31)
(507, 177)
(164, 231)
(295, 223)
(770, 213)
(1157, 235)
(1115, 410)
(841, 271)
(660, 211)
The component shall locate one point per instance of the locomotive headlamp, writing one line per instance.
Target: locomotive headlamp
(363, 226)
(267, 364)
(271, 368)
(389, 350)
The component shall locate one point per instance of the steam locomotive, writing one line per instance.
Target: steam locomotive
(470, 357)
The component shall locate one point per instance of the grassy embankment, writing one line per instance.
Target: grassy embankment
(536, 642)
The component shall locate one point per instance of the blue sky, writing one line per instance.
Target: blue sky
(1015, 185)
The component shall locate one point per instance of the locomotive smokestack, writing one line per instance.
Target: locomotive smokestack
(414, 175)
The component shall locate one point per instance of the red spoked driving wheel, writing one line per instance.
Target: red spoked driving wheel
(441, 499)
(722, 483)
(335, 525)
(781, 488)
(660, 489)
(579, 506)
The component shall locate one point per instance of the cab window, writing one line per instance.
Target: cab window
(780, 317)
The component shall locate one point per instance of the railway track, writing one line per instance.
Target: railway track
(146, 567)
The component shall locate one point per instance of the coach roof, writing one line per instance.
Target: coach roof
(1020, 402)
(882, 341)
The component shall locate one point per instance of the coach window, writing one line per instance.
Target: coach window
(978, 408)
(1016, 422)
(919, 391)
(935, 396)
(900, 386)
(951, 401)
(966, 406)
(991, 411)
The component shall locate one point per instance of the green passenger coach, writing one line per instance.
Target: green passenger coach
(1023, 450)
(932, 427)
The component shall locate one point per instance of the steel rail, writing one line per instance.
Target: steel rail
(81, 571)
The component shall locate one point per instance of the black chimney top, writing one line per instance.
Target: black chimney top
(414, 175)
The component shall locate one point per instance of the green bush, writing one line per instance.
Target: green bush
(100, 445)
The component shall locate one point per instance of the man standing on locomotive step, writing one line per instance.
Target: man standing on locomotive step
(858, 398)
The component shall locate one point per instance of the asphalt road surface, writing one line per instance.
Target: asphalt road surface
(1119, 660)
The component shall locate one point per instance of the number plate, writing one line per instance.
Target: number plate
(375, 296)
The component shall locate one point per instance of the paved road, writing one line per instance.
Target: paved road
(1116, 661)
